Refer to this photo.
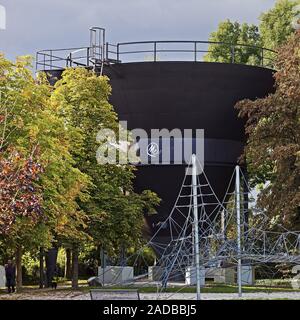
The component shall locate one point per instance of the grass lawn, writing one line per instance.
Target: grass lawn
(209, 288)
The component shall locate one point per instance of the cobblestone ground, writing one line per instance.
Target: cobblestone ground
(78, 295)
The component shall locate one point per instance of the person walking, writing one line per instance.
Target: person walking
(10, 274)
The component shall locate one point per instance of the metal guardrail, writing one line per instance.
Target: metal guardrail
(62, 58)
(150, 51)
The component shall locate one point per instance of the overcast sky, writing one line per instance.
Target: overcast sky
(43, 24)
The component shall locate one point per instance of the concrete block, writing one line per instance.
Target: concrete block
(248, 275)
(2, 277)
(155, 273)
(115, 274)
(221, 275)
(190, 276)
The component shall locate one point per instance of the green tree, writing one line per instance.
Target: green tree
(29, 121)
(234, 42)
(276, 24)
(273, 149)
(115, 211)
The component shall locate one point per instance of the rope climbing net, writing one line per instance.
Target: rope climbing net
(230, 234)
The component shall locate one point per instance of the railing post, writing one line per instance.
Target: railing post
(195, 52)
(154, 51)
(88, 57)
(118, 53)
(50, 59)
(36, 60)
(106, 49)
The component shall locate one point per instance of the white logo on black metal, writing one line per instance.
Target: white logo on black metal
(153, 149)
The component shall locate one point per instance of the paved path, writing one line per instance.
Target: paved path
(228, 296)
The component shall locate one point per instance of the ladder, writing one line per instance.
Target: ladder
(97, 46)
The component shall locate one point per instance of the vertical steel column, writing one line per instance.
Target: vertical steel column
(238, 223)
(196, 226)
(245, 206)
(223, 224)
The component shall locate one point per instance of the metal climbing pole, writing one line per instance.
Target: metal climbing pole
(238, 224)
(196, 225)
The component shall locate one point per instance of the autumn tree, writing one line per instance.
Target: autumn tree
(273, 149)
(20, 202)
(71, 199)
(18, 195)
(33, 133)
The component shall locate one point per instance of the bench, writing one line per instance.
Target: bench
(111, 294)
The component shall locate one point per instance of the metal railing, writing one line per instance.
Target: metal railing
(62, 58)
(193, 51)
(154, 51)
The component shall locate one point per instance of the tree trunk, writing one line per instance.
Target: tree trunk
(68, 267)
(75, 267)
(19, 268)
(51, 262)
(42, 282)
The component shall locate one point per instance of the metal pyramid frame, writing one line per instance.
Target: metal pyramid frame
(204, 232)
